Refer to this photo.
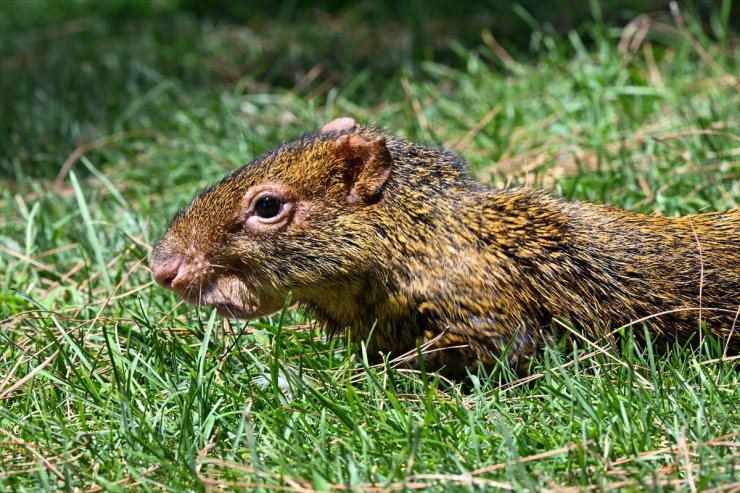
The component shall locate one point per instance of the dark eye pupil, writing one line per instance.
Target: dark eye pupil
(268, 207)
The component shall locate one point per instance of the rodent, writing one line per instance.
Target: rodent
(375, 233)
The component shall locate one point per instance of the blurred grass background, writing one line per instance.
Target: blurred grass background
(113, 114)
(75, 71)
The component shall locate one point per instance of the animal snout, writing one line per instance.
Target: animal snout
(168, 272)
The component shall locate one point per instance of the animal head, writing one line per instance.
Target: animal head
(294, 219)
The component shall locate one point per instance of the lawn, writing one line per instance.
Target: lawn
(114, 114)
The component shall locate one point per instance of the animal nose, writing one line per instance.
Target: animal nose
(166, 271)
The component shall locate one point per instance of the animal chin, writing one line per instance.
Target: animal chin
(234, 299)
(228, 310)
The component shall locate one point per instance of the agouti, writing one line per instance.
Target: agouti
(375, 233)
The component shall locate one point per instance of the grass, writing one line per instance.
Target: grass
(110, 126)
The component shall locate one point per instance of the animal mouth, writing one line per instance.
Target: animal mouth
(230, 310)
(232, 297)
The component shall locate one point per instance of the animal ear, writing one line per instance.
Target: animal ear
(343, 124)
(366, 166)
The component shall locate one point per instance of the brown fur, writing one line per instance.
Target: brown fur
(382, 231)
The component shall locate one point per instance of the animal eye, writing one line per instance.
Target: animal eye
(268, 207)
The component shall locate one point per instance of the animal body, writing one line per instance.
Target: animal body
(378, 234)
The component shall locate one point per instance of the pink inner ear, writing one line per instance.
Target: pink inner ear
(342, 124)
(368, 166)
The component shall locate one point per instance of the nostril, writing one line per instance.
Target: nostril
(166, 271)
(166, 281)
